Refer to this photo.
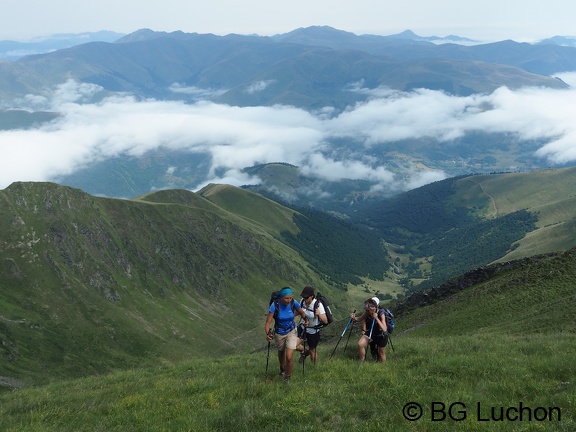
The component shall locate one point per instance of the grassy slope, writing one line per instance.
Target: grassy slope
(153, 293)
(175, 279)
(273, 217)
(550, 193)
(508, 341)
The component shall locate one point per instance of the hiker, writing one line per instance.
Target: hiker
(310, 334)
(284, 329)
(374, 330)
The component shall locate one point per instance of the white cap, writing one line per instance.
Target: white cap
(376, 299)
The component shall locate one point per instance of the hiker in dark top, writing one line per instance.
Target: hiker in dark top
(284, 329)
(374, 330)
(310, 334)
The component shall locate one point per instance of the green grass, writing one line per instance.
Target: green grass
(548, 193)
(233, 394)
(139, 361)
(93, 285)
(271, 216)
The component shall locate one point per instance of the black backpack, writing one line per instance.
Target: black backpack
(326, 303)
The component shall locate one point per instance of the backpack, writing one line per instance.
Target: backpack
(326, 303)
(389, 319)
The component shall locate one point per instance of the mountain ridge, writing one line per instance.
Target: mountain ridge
(167, 59)
(129, 282)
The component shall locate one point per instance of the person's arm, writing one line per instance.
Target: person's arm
(381, 320)
(321, 314)
(303, 316)
(360, 318)
(268, 325)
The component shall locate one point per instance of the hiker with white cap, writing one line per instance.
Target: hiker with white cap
(374, 330)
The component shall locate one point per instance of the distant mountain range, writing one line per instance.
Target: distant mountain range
(150, 64)
(309, 68)
(13, 50)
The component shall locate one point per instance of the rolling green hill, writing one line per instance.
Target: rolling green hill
(547, 193)
(496, 355)
(271, 216)
(457, 224)
(90, 284)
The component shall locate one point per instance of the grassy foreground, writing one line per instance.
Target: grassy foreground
(462, 383)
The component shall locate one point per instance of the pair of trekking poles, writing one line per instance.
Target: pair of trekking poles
(352, 321)
(268, 354)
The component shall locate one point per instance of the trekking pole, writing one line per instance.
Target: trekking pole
(349, 334)
(371, 328)
(268, 355)
(391, 344)
(304, 352)
(267, 361)
(342, 335)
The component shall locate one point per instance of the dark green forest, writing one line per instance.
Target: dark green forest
(339, 249)
(424, 222)
(405, 217)
(474, 244)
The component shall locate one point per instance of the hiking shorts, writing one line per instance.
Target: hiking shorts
(381, 340)
(312, 339)
(287, 341)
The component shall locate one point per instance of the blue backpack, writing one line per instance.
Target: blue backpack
(389, 319)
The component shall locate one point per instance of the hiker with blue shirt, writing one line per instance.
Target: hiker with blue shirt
(283, 312)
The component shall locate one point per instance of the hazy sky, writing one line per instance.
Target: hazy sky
(238, 137)
(488, 20)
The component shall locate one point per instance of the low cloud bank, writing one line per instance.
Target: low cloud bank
(238, 137)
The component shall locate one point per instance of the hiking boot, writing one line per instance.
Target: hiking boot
(303, 356)
(287, 379)
(281, 372)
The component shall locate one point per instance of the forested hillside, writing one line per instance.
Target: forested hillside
(340, 250)
(457, 224)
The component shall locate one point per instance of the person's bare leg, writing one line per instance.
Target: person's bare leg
(362, 343)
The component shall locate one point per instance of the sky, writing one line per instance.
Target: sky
(487, 20)
(237, 137)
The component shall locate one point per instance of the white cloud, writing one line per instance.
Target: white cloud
(421, 178)
(320, 166)
(259, 86)
(197, 92)
(237, 137)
